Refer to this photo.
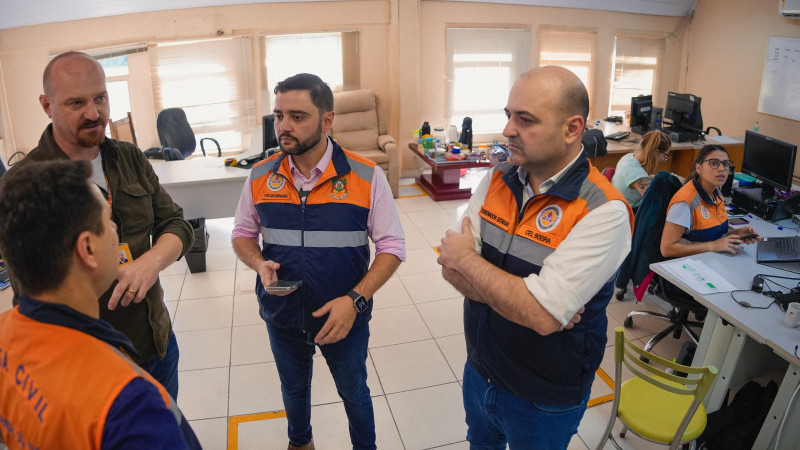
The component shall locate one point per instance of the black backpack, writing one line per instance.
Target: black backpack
(736, 426)
(594, 143)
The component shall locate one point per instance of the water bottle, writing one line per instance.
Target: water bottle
(755, 127)
(425, 129)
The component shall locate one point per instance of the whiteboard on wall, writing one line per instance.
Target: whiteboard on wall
(780, 85)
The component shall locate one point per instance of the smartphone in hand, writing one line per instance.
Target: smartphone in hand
(282, 286)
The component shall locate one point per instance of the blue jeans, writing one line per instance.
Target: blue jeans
(496, 417)
(346, 359)
(165, 370)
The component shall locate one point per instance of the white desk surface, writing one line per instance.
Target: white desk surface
(764, 326)
(203, 187)
(760, 324)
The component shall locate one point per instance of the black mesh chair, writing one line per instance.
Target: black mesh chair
(175, 132)
(646, 249)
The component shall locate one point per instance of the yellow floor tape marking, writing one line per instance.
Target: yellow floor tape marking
(233, 425)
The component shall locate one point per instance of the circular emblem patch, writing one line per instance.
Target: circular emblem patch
(704, 212)
(548, 218)
(275, 182)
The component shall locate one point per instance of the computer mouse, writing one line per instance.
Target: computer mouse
(758, 284)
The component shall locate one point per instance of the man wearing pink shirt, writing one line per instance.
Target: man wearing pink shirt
(316, 205)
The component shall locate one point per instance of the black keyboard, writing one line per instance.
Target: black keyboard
(787, 248)
(619, 135)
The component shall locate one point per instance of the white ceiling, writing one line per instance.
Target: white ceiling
(18, 13)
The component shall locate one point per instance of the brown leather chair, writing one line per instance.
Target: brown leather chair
(360, 125)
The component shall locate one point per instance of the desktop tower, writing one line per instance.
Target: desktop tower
(770, 209)
(656, 118)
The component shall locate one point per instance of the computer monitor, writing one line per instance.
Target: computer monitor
(641, 107)
(270, 140)
(769, 160)
(683, 110)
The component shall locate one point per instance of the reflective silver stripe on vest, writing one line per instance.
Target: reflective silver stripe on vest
(530, 251)
(279, 236)
(495, 236)
(296, 238)
(363, 171)
(259, 171)
(696, 202)
(593, 195)
(172, 404)
(340, 239)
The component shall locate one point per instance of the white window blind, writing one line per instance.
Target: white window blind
(212, 81)
(573, 50)
(331, 56)
(635, 70)
(482, 65)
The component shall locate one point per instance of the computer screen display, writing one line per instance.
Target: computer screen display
(268, 128)
(683, 110)
(769, 160)
(641, 108)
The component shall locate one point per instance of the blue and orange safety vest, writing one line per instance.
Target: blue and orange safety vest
(709, 218)
(558, 368)
(57, 384)
(323, 241)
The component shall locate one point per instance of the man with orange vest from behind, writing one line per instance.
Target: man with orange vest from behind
(66, 377)
(551, 232)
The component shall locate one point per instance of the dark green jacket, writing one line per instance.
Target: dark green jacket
(142, 209)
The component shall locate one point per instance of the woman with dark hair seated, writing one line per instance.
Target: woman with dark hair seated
(697, 211)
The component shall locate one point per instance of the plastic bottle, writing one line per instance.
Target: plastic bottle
(755, 127)
(439, 134)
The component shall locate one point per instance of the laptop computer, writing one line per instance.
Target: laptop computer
(778, 249)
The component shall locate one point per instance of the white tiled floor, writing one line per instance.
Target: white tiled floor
(416, 354)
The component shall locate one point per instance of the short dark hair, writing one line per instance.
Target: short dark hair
(321, 95)
(44, 207)
(701, 156)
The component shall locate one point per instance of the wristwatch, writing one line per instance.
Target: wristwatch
(359, 302)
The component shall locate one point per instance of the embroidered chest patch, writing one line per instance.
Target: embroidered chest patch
(275, 182)
(339, 188)
(548, 218)
(704, 212)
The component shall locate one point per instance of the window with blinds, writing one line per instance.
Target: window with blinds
(635, 70)
(482, 65)
(331, 56)
(212, 81)
(573, 50)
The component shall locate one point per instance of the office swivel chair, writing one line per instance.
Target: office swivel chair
(175, 132)
(646, 249)
(657, 405)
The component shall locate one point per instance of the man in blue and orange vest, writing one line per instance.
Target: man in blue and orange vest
(67, 379)
(315, 206)
(550, 232)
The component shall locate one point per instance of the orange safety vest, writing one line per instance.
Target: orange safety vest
(57, 384)
(709, 219)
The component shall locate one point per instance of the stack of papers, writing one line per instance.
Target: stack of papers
(698, 276)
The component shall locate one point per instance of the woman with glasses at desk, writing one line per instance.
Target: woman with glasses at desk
(634, 170)
(697, 211)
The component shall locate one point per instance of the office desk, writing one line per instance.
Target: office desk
(681, 155)
(737, 350)
(203, 187)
